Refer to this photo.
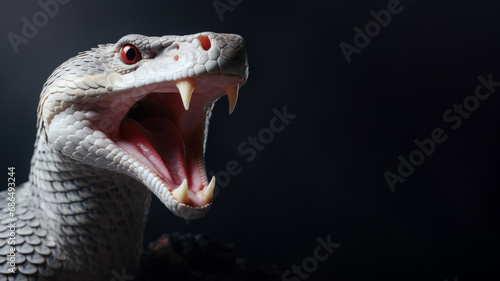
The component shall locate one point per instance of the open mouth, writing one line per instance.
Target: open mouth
(166, 129)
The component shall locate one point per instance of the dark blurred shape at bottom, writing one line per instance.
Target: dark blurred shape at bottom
(198, 258)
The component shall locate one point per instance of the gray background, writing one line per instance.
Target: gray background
(323, 175)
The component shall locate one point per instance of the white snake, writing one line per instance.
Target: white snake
(114, 124)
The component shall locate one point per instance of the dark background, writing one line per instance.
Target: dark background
(324, 174)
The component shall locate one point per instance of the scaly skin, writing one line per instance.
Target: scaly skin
(82, 213)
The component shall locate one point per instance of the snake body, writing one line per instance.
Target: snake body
(115, 124)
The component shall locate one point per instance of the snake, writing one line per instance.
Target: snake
(116, 124)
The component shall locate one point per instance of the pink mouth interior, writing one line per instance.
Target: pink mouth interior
(150, 137)
(160, 133)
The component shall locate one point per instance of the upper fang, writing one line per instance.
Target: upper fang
(186, 89)
(232, 97)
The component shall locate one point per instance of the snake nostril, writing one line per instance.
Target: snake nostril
(205, 42)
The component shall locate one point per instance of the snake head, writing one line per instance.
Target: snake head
(141, 107)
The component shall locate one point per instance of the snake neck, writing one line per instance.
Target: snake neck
(96, 216)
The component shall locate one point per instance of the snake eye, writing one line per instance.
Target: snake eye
(130, 54)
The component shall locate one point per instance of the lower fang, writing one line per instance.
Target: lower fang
(209, 190)
(181, 193)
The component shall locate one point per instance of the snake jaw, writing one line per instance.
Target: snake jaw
(148, 121)
(159, 132)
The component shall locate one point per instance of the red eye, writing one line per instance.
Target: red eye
(130, 54)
